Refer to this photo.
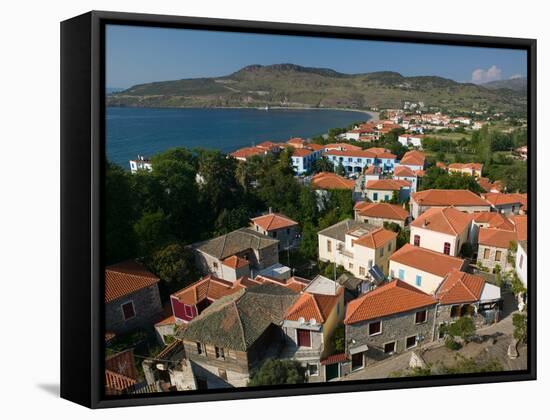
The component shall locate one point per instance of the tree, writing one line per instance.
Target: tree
(467, 250)
(437, 178)
(174, 265)
(519, 321)
(278, 372)
(322, 165)
(340, 169)
(151, 232)
(309, 241)
(338, 339)
(463, 327)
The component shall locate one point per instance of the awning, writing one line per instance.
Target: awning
(490, 293)
(359, 349)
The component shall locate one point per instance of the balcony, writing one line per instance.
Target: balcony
(342, 250)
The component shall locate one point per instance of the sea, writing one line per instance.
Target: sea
(147, 131)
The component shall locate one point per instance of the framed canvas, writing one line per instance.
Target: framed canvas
(254, 209)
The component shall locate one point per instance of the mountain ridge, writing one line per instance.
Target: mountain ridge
(292, 85)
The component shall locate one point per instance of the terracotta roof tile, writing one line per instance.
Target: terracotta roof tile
(376, 238)
(301, 152)
(351, 153)
(381, 153)
(448, 198)
(446, 220)
(273, 221)
(413, 157)
(341, 146)
(497, 238)
(171, 320)
(387, 184)
(117, 382)
(247, 152)
(404, 171)
(493, 220)
(459, 287)
(313, 306)
(461, 166)
(125, 278)
(235, 262)
(521, 226)
(382, 210)
(489, 186)
(426, 260)
(334, 358)
(209, 287)
(331, 181)
(391, 298)
(501, 199)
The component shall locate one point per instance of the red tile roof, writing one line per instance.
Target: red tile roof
(313, 306)
(391, 298)
(381, 153)
(459, 287)
(493, 220)
(334, 358)
(115, 382)
(376, 238)
(273, 221)
(341, 146)
(331, 181)
(448, 198)
(235, 262)
(372, 170)
(247, 152)
(496, 238)
(461, 166)
(125, 278)
(301, 152)
(387, 184)
(381, 210)
(426, 260)
(351, 153)
(404, 171)
(489, 186)
(209, 287)
(521, 226)
(501, 199)
(296, 141)
(446, 220)
(413, 157)
(171, 320)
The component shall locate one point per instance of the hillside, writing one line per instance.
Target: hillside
(290, 85)
(518, 84)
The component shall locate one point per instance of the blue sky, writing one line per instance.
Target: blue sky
(141, 54)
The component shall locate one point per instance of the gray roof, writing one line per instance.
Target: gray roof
(339, 230)
(238, 320)
(349, 282)
(234, 242)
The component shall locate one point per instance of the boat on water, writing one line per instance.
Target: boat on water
(264, 108)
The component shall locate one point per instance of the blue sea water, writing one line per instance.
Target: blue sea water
(146, 131)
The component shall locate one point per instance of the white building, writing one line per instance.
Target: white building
(140, 164)
(404, 173)
(442, 230)
(414, 140)
(422, 268)
(521, 262)
(303, 158)
(463, 200)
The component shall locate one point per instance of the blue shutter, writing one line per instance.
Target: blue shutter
(418, 280)
(401, 274)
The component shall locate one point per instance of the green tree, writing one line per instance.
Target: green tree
(519, 321)
(340, 169)
(151, 232)
(463, 327)
(338, 339)
(174, 265)
(309, 241)
(322, 165)
(278, 372)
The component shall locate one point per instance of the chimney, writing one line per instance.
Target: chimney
(425, 223)
(270, 210)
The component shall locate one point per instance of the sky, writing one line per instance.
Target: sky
(144, 54)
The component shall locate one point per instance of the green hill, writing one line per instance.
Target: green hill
(290, 85)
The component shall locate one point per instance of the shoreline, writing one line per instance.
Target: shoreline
(375, 115)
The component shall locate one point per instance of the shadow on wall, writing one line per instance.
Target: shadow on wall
(52, 389)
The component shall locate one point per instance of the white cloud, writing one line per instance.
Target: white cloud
(516, 76)
(484, 76)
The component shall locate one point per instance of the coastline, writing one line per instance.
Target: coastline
(374, 115)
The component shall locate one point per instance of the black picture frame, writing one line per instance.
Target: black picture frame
(82, 199)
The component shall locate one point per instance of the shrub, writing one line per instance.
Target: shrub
(278, 372)
(464, 328)
(520, 327)
(451, 344)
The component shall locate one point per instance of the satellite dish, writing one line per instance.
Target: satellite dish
(312, 321)
(301, 320)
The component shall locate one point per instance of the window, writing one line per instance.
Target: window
(410, 342)
(418, 280)
(441, 330)
(374, 196)
(215, 264)
(389, 348)
(447, 248)
(288, 231)
(375, 328)
(312, 369)
(521, 261)
(275, 234)
(486, 254)
(401, 274)
(498, 255)
(421, 317)
(386, 197)
(381, 252)
(370, 264)
(416, 240)
(199, 348)
(359, 160)
(303, 338)
(128, 310)
(389, 247)
(222, 373)
(361, 271)
(219, 353)
(329, 246)
(455, 311)
(188, 310)
(350, 266)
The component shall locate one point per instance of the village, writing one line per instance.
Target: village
(418, 280)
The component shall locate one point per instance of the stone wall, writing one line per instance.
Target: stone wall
(492, 262)
(147, 307)
(394, 328)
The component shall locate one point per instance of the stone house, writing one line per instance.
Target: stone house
(278, 226)
(494, 248)
(236, 334)
(463, 200)
(378, 213)
(441, 229)
(422, 268)
(310, 323)
(241, 252)
(488, 219)
(390, 319)
(132, 299)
